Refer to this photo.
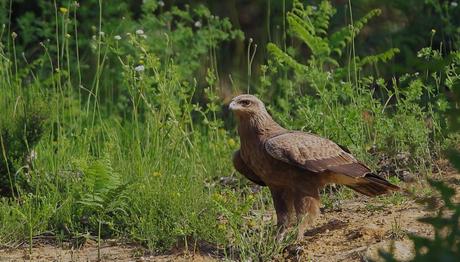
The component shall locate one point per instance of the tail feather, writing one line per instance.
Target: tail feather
(359, 177)
(372, 185)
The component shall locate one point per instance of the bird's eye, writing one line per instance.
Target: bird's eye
(245, 102)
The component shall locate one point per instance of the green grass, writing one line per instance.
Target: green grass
(138, 173)
(129, 139)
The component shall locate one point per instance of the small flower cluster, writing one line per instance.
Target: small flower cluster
(141, 33)
(63, 10)
(139, 68)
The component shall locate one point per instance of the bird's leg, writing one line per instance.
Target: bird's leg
(307, 209)
(282, 199)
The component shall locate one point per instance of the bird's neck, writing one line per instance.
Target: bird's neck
(258, 127)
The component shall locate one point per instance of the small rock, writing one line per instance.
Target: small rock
(228, 181)
(403, 250)
(407, 176)
(372, 231)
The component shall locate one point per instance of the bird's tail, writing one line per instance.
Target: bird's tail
(372, 185)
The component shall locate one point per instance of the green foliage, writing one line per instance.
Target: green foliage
(22, 124)
(445, 246)
(125, 151)
(101, 188)
(311, 26)
(345, 102)
(344, 36)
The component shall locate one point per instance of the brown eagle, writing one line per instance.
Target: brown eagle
(295, 165)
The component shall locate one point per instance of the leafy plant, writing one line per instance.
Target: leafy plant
(102, 195)
(22, 125)
(344, 101)
(445, 246)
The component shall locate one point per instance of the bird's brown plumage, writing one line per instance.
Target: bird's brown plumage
(295, 165)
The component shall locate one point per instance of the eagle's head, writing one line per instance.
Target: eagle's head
(247, 105)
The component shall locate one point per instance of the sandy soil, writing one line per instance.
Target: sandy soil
(109, 252)
(354, 231)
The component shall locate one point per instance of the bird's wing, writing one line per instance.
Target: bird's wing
(317, 155)
(313, 153)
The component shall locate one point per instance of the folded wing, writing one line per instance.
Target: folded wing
(318, 155)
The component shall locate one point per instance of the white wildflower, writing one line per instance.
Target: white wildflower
(33, 155)
(314, 8)
(144, 36)
(139, 32)
(198, 24)
(454, 4)
(102, 34)
(139, 68)
(117, 37)
(161, 3)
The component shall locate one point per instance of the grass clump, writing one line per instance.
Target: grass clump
(22, 123)
(121, 151)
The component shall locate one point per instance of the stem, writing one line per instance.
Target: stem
(30, 232)
(268, 21)
(7, 166)
(99, 240)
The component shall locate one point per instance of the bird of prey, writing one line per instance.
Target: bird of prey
(295, 165)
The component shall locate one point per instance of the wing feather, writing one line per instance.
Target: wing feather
(313, 153)
(318, 155)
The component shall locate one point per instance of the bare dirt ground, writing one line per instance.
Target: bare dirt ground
(109, 252)
(354, 231)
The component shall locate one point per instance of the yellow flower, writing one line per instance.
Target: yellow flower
(252, 223)
(63, 10)
(156, 174)
(231, 142)
(217, 197)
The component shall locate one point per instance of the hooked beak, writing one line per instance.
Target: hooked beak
(232, 105)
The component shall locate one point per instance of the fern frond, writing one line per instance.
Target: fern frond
(101, 182)
(382, 57)
(322, 17)
(338, 40)
(285, 58)
(317, 45)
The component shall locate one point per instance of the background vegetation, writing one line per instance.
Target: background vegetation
(113, 116)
